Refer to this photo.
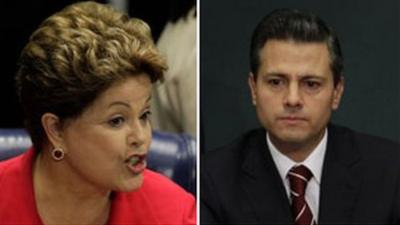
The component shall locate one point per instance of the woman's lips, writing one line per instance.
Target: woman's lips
(136, 163)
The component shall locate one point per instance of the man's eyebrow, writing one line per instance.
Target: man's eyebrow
(313, 76)
(304, 76)
(274, 74)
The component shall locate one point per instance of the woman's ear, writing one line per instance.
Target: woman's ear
(53, 129)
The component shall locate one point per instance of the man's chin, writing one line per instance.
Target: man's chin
(292, 136)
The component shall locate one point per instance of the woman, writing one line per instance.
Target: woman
(84, 82)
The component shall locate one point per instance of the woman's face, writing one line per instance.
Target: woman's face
(107, 145)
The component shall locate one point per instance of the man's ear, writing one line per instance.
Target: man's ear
(53, 129)
(252, 84)
(338, 93)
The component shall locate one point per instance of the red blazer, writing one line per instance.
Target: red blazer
(158, 201)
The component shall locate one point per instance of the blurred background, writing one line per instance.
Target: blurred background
(369, 35)
(20, 18)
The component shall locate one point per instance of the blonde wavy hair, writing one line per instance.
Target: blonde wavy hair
(75, 55)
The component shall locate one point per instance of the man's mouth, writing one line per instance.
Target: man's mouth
(292, 120)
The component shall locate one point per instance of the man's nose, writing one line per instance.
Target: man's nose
(293, 96)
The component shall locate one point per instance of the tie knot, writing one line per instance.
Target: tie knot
(301, 172)
(298, 178)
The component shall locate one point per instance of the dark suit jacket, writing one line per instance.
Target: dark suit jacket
(360, 182)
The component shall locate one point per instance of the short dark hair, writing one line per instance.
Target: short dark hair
(77, 54)
(291, 24)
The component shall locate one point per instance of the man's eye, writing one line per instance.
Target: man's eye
(116, 122)
(312, 84)
(275, 82)
(145, 116)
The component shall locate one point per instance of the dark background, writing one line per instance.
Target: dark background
(20, 18)
(369, 35)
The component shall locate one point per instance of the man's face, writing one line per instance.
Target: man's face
(294, 93)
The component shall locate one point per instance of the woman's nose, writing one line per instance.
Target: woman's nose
(137, 135)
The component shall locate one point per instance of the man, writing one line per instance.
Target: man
(299, 169)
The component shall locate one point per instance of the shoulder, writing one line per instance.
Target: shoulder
(233, 153)
(368, 146)
(10, 170)
(357, 139)
(237, 146)
(15, 189)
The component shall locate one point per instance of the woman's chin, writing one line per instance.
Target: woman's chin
(131, 184)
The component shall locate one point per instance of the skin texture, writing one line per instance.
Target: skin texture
(97, 146)
(294, 94)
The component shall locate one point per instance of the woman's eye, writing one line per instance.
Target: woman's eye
(145, 116)
(116, 122)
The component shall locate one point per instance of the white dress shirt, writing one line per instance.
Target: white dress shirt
(313, 162)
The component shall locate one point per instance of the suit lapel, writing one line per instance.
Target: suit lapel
(265, 194)
(262, 185)
(341, 179)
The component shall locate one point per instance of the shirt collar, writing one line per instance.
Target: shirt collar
(313, 162)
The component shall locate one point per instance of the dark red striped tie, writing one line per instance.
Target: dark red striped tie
(298, 178)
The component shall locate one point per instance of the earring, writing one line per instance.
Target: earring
(57, 154)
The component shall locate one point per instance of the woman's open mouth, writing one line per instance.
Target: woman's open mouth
(136, 163)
